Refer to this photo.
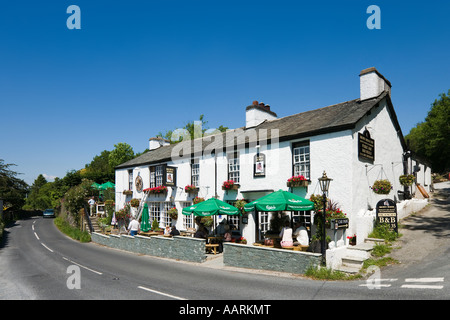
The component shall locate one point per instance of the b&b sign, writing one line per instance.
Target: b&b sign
(387, 213)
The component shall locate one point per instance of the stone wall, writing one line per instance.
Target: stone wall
(255, 257)
(180, 248)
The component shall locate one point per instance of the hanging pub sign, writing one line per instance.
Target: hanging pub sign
(170, 177)
(387, 213)
(366, 146)
(259, 165)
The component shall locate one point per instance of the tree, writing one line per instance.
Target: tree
(12, 189)
(195, 129)
(123, 152)
(99, 169)
(431, 139)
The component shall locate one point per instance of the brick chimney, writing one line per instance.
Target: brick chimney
(257, 113)
(372, 84)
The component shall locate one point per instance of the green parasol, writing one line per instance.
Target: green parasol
(107, 185)
(95, 185)
(280, 201)
(145, 224)
(211, 207)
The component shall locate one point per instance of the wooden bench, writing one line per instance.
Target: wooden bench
(212, 247)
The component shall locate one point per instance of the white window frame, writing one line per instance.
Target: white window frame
(188, 220)
(301, 161)
(234, 167)
(195, 174)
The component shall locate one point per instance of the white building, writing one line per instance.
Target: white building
(356, 142)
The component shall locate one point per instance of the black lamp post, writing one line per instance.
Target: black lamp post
(324, 182)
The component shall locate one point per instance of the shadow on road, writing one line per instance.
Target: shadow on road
(437, 224)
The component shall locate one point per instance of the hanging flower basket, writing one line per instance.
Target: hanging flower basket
(382, 186)
(127, 192)
(134, 202)
(198, 200)
(297, 181)
(230, 185)
(173, 213)
(191, 189)
(406, 180)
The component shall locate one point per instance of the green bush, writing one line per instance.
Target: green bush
(74, 233)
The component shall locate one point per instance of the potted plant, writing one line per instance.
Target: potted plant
(190, 188)
(230, 185)
(173, 213)
(382, 186)
(297, 181)
(352, 240)
(406, 180)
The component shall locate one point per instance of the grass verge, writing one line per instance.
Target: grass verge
(74, 233)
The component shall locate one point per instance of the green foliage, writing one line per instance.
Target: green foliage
(12, 189)
(382, 231)
(431, 139)
(75, 198)
(74, 233)
(123, 152)
(320, 273)
(192, 130)
(155, 225)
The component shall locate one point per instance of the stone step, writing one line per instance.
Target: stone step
(347, 269)
(356, 262)
(374, 240)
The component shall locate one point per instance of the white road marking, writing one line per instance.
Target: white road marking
(420, 286)
(424, 280)
(97, 272)
(32, 226)
(37, 237)
(161, 293)
(376, 283)
(47, 247)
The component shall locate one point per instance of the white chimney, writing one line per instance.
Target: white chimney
(155, 143)
(257, 113)
(372, 84)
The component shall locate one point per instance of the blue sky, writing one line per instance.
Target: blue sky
(140, 67)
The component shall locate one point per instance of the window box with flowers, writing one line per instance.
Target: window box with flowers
(173, 213)
(406, 180)
(230, 185)
(156, 190)
(128, 192)
(382, 186)
(297, 181)
(191, 189)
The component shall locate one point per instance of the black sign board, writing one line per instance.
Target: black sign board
(366, 146)
(170, 177)
(387, 213)
(339, 223)
(259, 165)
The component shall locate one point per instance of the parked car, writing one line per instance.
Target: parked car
(49, 213)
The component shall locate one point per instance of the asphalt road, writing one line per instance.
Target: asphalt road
(38, 262)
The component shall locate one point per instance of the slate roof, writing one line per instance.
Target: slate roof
(329, 119)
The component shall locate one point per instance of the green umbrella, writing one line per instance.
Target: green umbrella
(107, 185)
(95, 185)
(145, 224)
(280, 201)
(211, 207)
